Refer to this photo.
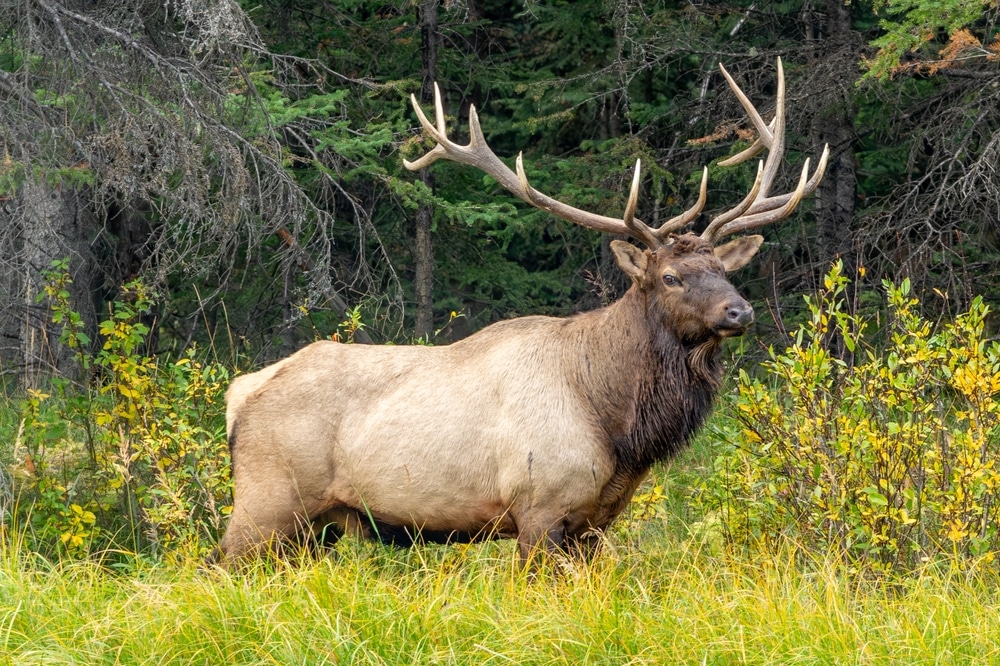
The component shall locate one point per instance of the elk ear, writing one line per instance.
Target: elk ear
(630, 259)
(738, 253)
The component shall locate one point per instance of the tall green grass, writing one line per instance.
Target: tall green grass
(653, 596)
(641, 602)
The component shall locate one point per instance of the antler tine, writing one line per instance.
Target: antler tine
(479, 155)
(765, 131)
(814, 180)
(476, 137)
(759, 209)
(682, 220)
(639, 230)
(755, 220)
(633, 195)
(439, 111)
(716, 224)
(440, 136)
(771, 136)
(522, 178)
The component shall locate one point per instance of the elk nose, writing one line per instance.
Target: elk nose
(739, 314)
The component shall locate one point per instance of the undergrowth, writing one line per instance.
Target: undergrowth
(134, 458)
(887, 454)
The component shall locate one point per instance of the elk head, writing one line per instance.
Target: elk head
(684, 286)
(681, 276)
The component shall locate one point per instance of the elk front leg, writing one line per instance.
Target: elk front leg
(584, 546)
(536, 537)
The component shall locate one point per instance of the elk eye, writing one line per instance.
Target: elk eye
(670, 280)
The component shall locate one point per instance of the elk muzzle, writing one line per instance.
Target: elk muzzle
(738, 317)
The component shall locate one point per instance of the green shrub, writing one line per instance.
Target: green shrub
(135, 459)
(889, 455)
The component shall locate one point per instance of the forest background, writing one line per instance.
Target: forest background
(190, 189)
(245, 160)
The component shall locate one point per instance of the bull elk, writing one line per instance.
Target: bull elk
(537, 428)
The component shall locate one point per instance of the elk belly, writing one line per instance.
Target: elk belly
(469, 469)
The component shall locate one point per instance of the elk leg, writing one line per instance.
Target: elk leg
(540, 537)
(253, 529)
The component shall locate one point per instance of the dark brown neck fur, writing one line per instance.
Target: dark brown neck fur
(648, 391)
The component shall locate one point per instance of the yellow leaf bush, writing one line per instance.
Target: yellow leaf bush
(887, 452)
(134, 460)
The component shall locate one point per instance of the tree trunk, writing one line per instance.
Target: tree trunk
(836, 53)
(833, 124)
(423, 282)
(53, 226)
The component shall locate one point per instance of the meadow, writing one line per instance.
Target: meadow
(829, 513)
(653, 596)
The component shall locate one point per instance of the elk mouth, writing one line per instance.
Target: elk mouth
(728, 330)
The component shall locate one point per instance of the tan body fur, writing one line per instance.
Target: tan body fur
(482, 435)
(537, 428)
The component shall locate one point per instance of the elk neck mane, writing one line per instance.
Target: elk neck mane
(648, 390)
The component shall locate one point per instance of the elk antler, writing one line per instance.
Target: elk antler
(479, 155)
(756, 210)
